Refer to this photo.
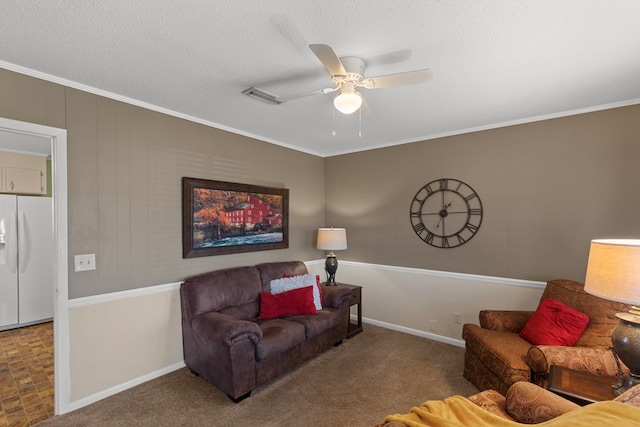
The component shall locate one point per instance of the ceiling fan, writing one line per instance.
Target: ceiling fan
(347, 75)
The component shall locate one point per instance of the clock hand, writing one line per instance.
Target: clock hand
(443, 213)
(439, 221)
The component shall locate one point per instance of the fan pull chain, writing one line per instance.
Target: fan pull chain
(333, 132)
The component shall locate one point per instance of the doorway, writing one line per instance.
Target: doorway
(45, 139)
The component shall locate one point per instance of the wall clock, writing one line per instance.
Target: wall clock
(446, 213)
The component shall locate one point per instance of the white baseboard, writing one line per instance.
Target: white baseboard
(160, 372)
(122, 339)
(417, 332)
(402, 299)
(124, 386)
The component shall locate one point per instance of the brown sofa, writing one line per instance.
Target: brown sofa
(225, 342)
(523, 404)
(496, 356)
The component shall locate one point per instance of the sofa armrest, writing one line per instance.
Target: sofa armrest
(504, 320)
(630, 397)
(491, 401)
(529, 404)
(335, 296)
(595, 360)
(221, 328)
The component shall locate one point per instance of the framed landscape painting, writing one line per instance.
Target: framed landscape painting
(223, 217)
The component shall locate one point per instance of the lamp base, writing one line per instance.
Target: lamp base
(626, 342)
(331, 266)
(628, 382)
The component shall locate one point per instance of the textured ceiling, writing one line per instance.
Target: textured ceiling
(494, 62)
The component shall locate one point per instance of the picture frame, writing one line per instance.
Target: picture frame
(221, 217)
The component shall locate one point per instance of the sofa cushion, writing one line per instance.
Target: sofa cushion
(501, 352)
(278, 335)
(244, 311)
(289, 303)
(601, 312)
(275, 270)
(313, 325)
(220, 289)
(554, 323)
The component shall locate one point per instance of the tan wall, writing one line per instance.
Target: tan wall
(547, 189)
(31, 100)
(125, 165)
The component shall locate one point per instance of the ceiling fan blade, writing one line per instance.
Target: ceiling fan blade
(293, 96)
(388, 58)
(329, 59)
(408, 78)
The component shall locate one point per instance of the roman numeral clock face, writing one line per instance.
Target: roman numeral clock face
(446, 213)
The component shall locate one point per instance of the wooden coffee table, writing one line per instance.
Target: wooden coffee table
(580, 387)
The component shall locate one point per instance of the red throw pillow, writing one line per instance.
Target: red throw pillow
(317, 297)
(290, 303)
(554, 323)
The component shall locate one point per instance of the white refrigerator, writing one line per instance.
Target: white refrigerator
(26, 260)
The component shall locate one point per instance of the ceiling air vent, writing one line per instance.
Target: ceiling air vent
(262, 95)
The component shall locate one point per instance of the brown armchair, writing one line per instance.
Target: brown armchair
(496, 356)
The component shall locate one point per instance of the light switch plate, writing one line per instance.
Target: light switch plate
(85, 262)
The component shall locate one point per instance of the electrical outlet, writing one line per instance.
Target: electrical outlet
(433, 326)
(85, 262)
(457, 318)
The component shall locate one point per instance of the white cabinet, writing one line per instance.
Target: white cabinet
(22, 173)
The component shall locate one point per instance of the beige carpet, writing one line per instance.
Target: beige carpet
(375, 373)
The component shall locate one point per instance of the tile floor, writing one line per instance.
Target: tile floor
(26, 375)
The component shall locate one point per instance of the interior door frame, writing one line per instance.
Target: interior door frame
(58, 141)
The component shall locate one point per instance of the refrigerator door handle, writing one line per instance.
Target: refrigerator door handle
(12, 243)
(22, 245)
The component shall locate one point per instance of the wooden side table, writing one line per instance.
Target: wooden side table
(580, 387)
(356, 299)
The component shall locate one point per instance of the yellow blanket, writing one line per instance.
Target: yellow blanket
(457, 411)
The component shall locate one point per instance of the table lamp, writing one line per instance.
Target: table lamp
(332, 239)
(613, 273)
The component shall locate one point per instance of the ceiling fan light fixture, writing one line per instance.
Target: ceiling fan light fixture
(348, 102)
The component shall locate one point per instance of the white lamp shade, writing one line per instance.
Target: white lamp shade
(348, 102)
(332, 239)
(613, 270)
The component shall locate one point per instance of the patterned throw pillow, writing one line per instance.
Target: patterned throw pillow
(277, 286)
